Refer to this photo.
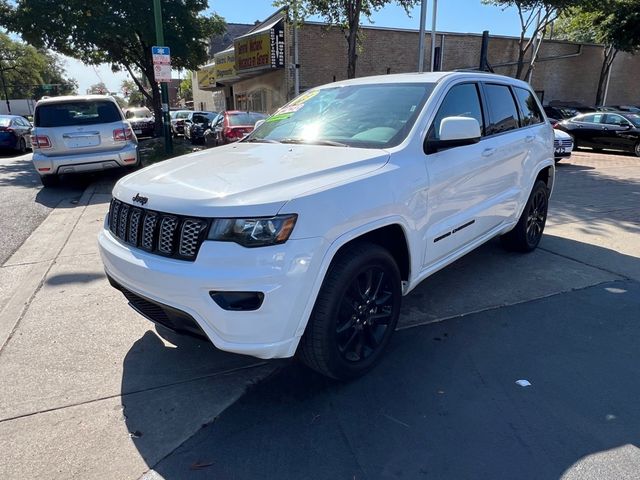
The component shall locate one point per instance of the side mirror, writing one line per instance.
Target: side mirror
(258, 123)
(454, 132)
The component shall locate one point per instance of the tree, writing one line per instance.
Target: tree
(119, 32)
(186, 89)
(614, 23)
(32, 73)
(98, 89)
(535, 16)
(345, 14)
(130, 90)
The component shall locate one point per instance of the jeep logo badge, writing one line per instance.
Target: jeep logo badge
(139, 199)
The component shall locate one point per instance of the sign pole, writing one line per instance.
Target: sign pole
(168, 141)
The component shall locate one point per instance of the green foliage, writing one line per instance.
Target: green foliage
(98, 89)
(186, 89)
(32, 73)
(132, 93)
(119, 32)
(610, 22)
(345, 14)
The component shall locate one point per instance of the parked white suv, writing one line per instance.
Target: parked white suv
(304, 236)
(80, 134)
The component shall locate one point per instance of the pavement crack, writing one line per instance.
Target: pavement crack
(134, 392)
(582, 262)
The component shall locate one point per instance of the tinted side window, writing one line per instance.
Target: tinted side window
(593, 118)
(460, 101)
(615, 120)
(503, 114)
(528, 106)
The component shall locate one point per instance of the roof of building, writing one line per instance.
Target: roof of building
(218, 43)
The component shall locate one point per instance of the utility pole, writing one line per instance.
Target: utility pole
(168, 141)
(433, 35)
(423, 20)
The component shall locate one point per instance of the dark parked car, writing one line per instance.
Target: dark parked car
(233, 125)
(15, 133)
(605, 130)
(560, 113)
(141, 120)
(196, 124)
(177, 121)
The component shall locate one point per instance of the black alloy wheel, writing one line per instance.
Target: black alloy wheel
(364, 315)
(355, 313)
(527, 233)
(536, 217)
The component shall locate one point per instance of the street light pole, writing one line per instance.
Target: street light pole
(423, 19)
(168, 143)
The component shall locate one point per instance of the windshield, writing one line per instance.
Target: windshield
(365, 116)
(244, 118)
(183, 114)
(64, 114)
(635, 119)
(138, 113)
(203, 117)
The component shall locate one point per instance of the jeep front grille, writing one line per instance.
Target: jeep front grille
(156, 232)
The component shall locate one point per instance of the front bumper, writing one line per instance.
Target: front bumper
(285, 274)
(85, 162)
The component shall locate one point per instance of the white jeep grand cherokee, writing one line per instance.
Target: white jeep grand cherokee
(304, 236)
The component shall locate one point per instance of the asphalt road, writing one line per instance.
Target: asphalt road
(24, 203)
(444, 403)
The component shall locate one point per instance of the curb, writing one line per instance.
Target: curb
(60, 221)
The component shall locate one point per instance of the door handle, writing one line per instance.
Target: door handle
(529, 138)
(487, 152)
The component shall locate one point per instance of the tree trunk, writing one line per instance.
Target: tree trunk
(609, 56)
(352, 37)
(520, 68)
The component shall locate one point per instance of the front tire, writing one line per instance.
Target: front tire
(355, 313)
(636, 150)
(527, 233)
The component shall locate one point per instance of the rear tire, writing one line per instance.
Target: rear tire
(355, 313)
(50, 180)
(22, 145)
(527, 233)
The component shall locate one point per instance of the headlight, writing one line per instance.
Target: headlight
(253, 232)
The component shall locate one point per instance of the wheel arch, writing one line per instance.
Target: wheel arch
(390, 233)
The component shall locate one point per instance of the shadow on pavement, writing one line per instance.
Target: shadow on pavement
(443, 403)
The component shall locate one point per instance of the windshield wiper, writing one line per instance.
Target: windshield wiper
(301, 141)
(261, 140)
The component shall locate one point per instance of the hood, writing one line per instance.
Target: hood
(245, 178)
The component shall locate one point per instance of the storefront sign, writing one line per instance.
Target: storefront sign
(206, 77)
(261, 51)
(225, 66)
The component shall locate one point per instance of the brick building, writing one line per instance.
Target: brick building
(256, 71)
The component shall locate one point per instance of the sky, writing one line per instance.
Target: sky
(452, 16)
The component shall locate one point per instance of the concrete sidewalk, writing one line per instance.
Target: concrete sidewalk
(90, 390)
(82, 374)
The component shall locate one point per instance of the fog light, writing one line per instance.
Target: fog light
(238, 301)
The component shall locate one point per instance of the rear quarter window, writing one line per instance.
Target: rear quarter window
(503, 114)
(65, 114)
(531, 114)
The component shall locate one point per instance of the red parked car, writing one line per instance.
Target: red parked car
(232, 125)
